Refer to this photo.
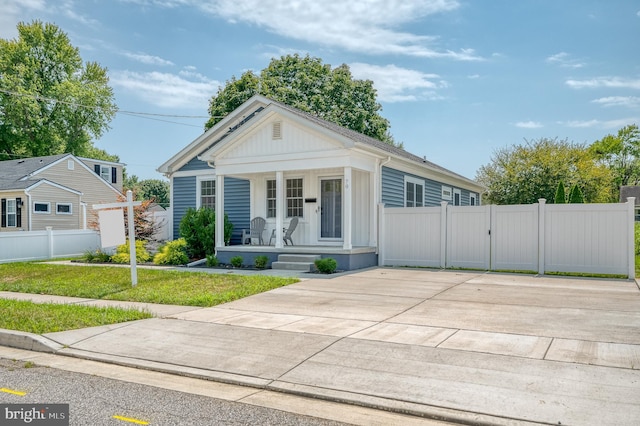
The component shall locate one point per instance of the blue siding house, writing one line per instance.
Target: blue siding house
(269, 160)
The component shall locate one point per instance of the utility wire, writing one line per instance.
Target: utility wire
(146, 115)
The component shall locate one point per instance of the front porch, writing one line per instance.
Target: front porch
(347, 259)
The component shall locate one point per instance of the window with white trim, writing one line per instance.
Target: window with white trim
(271, 198)
(446, 193)
(64, 208)
(105, 173)
(473, 199)
(413, 192)
(457, 197)
(42, 207)
(208, 193)
(12, 213)
(294, 197)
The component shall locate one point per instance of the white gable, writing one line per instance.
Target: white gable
(279, 135)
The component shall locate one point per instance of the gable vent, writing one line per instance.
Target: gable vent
(276, 131)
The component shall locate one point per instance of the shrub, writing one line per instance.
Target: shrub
(637, 237)
(327, 265)
(212, 261)
(97, 256)
(261, 262)
(236, 261)
(122, 253)
(198, 228)
(172, 253)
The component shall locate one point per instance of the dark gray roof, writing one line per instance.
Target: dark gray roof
(630, 191)
(12, 171)
(361, 138)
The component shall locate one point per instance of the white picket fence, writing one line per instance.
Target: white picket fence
(50, 244)
(587, 238)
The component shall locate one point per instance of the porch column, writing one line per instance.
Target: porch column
(219, 211)
(348, 185)
(280, 208)
(375, 199)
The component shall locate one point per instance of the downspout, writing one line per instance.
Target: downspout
(29, 210)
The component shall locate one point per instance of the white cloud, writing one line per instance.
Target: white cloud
(395, 84)
(564, 60)
(147, 59)
(167, 90)
(625, 101)
(608, 82)
(14, 11)
(606, 124)
(529, 124)
(366, 26)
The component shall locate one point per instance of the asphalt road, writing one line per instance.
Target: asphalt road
(96, 400)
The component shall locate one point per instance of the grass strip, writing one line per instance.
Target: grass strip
(154, 286)
(42, 318)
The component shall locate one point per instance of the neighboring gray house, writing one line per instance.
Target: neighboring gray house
(57, 191)
(631, 191)
(270, 160)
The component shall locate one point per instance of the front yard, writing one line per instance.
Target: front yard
(113, 283)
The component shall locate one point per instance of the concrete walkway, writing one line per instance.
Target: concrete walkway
(459, 346)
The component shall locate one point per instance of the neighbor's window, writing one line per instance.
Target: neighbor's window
(63, 208)
(457, 197)
(11, 213)
(105, 173)
(43, 208)
(208, 194)
(295, 200)
(413, 192)
(271, 198)
(473, 200)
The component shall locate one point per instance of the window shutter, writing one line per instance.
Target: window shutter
(114, 175)
(19, 212)
(4, 212)
(96, 168)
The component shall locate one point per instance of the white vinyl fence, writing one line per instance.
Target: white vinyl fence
(49, 244)
(589, 238)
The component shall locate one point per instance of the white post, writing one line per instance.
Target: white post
(443, 234)
(49, 230)
(541, 231)
(281, 208)
(631, 247)
(132, 239)
(382, 238)
(348, 211)
(219, 226)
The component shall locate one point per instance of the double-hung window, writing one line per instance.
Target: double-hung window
(293, 195)
(413, 192)
(208, 193)
(11, 212)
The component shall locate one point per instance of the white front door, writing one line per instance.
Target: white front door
(331, 208)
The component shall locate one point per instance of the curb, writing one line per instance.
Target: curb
(28, 341)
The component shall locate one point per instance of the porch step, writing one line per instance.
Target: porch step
(296, 262)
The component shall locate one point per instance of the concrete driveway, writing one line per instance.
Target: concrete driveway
(461, 346)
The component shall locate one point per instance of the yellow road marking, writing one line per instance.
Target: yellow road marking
(130, 420)
(13, 392)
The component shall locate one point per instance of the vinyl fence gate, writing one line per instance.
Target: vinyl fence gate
(538, 238)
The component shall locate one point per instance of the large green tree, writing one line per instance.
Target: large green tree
(50, 102)
(521, 174)
(621, 154)
(310, 85)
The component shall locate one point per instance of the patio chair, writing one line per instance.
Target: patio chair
(257, 227)
(287, 232)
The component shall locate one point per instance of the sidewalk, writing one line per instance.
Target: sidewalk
(459, 346)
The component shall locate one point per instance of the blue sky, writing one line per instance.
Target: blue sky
(457, 79)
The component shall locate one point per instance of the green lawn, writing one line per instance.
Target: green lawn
(113, 283)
